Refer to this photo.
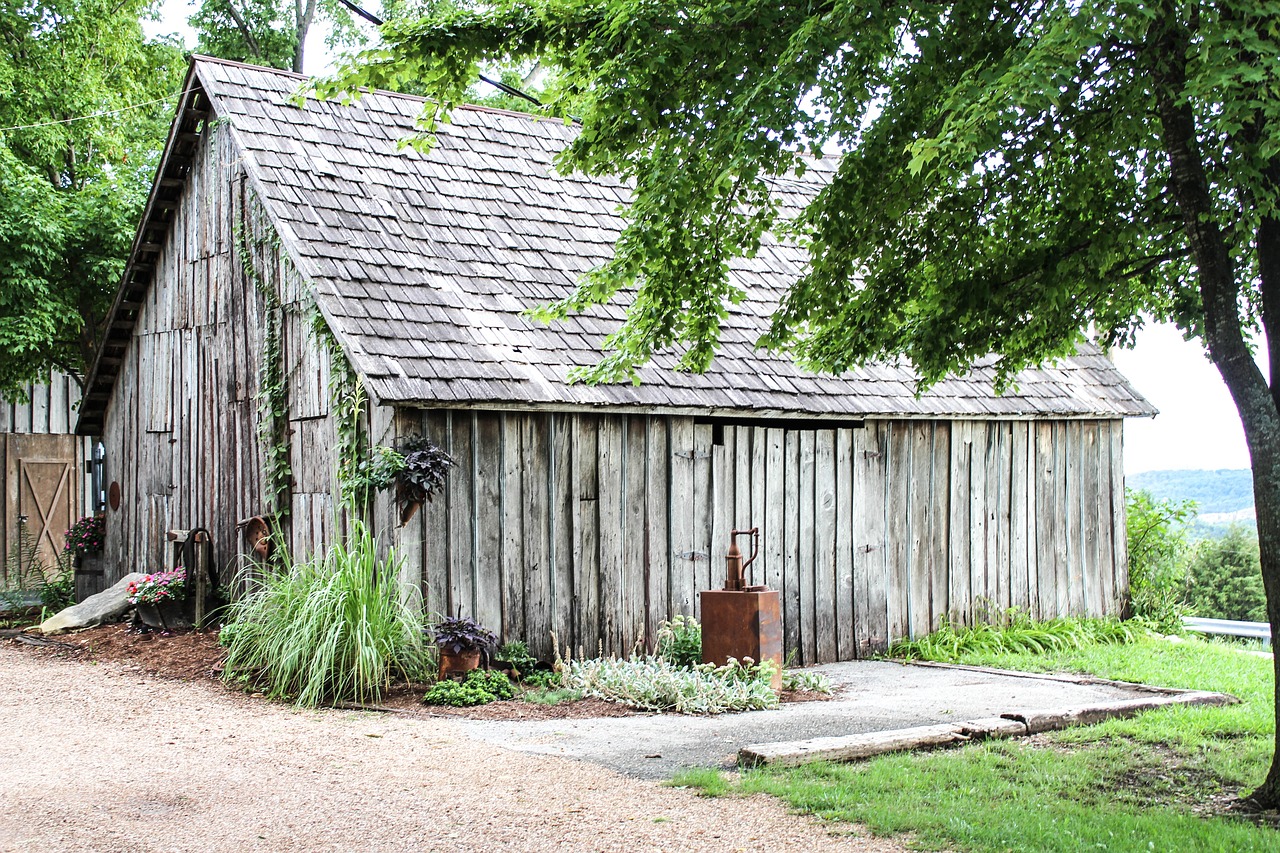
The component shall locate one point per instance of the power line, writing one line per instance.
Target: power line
(497, 84)
(95, 115)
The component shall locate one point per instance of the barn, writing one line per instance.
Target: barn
(302, 288)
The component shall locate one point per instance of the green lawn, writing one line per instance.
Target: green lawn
(1155, 782)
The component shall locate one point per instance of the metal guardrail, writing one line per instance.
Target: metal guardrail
(1228, 627)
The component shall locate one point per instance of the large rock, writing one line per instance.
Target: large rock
(97, 609)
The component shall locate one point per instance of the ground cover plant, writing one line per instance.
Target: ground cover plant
(1166, 780)
(652, 683)
(479, 687)
(326, 630)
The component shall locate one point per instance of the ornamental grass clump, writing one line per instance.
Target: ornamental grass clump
(1014, 632)
(327, 630)
(656, 684)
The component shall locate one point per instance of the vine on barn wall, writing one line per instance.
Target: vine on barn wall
(348, 402)
(273, 383)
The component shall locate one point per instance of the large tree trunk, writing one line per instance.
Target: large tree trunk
(1220, 290)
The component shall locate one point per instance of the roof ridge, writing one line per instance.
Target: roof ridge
(480, 108)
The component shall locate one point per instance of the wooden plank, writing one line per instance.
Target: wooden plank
(561, 566)
(897, 529)
(723, 473)
(773, 533)
(743, 516)
(826, 580)
(535, 442)
(959, 593)
(871, 620)
(1019, 588)
(919, 506)
(846, 638)
(487, 519)
(514, 626)
(458, 488)
(1069, 476)
(1046, 524)
(586, 640)
(939, 497)
(992, 604)
(757, 573)
(1004, 518)
(790, 586)
(409, 538)
(611, 468)
(683, 538)
(657, 530)
(806, 584)
(978, 521)
(633, 619)
(1062, 538)
(1089, 538)
(1119, 538)
(1102, 522)
(703, 495)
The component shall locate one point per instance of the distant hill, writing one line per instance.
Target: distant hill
(1217, 493)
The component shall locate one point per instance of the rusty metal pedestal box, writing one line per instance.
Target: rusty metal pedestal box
(742, 624)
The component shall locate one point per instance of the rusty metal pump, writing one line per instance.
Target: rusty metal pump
(742, 620)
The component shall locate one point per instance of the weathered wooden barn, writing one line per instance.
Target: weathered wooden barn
(46, 482)
(292, 255)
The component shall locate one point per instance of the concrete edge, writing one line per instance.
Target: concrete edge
(1046, 676)
(855, 747)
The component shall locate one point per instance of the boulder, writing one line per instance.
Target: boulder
(97, 609)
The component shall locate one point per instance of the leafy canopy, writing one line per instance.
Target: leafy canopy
(76, 158)
(1002, 182)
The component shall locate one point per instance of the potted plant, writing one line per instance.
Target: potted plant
(159, 598)
(83, 541)
(461, 641)
(422, 474)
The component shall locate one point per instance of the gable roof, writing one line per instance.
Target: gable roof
(424, 262)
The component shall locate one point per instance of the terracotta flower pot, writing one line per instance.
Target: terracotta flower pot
(457, 663)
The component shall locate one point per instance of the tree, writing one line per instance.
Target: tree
(1014, 176)
(84, 105)
(1225, 581)
(1158, 551)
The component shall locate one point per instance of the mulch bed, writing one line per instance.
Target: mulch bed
(196, 656)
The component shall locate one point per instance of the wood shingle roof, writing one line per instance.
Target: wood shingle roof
(424, 262)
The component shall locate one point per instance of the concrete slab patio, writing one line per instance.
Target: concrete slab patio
(871, 696)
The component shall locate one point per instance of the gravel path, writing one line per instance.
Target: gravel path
(106, 758)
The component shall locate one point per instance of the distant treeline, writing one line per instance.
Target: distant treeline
(1221, 491)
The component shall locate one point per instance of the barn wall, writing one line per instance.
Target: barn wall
(180, 431)
(597, 527)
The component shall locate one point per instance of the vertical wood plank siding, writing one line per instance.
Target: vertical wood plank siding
(597, 527)
(181, 426)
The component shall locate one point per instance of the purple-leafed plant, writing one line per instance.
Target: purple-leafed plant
(459, 634)
(423, 472)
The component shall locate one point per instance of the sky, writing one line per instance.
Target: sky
(1197, 426)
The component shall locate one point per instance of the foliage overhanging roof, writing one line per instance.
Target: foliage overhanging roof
(424, 262)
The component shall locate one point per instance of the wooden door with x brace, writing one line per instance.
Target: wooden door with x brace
(42, 487)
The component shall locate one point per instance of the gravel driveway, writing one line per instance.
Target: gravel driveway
(106, 758)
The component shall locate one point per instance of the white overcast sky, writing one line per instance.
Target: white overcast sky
(1197, 426)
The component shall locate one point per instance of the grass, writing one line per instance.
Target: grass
(1155, 782)
(328, 630)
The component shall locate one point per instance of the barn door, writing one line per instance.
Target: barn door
(42, 484)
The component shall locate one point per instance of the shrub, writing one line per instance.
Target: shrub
(516, 653)
(806, 679)
(327, 630)
(1226, 578)
(679, 641)
(655, 684)
(1158, 553)
(480, 687)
